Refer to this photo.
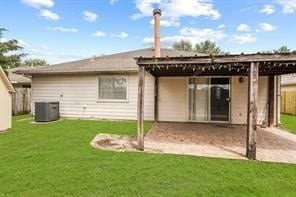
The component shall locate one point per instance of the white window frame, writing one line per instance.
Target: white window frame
(112, 100)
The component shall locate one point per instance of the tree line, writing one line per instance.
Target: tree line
(11, 54)
(209, 47)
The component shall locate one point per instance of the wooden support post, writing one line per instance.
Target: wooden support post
(278, 101)
(140, 112)
(252, 111)
(271, 103)
(156, 99)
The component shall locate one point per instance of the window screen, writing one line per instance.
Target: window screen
(113, 87)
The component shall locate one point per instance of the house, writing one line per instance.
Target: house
(18, 80)
(288, 82)
(100, 87)
(168, 85)
(106, 87)
(6, 90)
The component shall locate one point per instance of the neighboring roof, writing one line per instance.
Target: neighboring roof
(288, 79)
(116, 62)
(6, 80)
(18, 78)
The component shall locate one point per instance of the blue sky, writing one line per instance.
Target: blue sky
(64, 30)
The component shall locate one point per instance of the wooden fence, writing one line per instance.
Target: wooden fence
(288, 102)
(21, 101)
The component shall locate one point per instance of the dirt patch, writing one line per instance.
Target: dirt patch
(114, 142)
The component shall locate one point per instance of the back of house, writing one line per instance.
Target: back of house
(106, 87)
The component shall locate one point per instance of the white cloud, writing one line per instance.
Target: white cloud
(23, 43)
(167, 23)
(195, 35)
(173, 10)
(121, 35)
(49, 15)
(267, 9)
(243, 27)
(112, 2)
(62, 29)
(99, 34)
(267, 27)
(90, 16)
(222, 26)
(39, 3)
(289, 6)
(3, 39)
(243, 39)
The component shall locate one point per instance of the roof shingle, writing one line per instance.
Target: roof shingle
(116, 62)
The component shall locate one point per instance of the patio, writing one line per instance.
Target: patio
(270, 65)
(226, 141)
(208, 140)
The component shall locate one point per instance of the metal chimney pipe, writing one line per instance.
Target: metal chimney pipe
(157, 14)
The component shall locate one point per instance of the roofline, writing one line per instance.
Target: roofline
(77, 72)
(6, 81)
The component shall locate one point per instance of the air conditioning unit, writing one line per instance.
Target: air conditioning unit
(46, 111)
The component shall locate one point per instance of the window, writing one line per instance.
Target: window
(112, 87)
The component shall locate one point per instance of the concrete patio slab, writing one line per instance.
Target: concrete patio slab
(221, 141)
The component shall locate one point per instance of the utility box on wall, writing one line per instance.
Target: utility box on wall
(46, 111)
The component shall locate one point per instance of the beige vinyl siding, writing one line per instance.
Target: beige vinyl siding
(172, 99)
(78, 97)
(239, 101)
(5, 108)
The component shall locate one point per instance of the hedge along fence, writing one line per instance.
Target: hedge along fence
(21, 101)
(288, 102)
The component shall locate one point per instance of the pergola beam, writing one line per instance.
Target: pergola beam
(219, 59)
(252, 111)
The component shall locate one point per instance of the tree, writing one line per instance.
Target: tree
(208, 47)
(183, 45)
(10, 55)
(283, 49)
(34, 62)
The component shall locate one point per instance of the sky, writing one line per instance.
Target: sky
(66, 30)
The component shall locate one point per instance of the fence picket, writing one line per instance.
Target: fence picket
(21, 101)
(288, 102)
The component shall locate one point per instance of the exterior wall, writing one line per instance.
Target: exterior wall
(239, 101)
(173, 99)
(5, 107)
(78, 97)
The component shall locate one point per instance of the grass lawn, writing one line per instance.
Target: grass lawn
(288, 123)
(56, 160)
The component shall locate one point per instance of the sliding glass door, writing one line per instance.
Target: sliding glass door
(209, 99)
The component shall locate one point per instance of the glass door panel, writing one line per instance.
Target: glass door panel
(208, 99)
(219, 99)
(202, 99)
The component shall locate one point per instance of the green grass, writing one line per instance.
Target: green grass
(288, 122)
(56, 160)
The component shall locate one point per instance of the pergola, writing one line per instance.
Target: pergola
(251, 65)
